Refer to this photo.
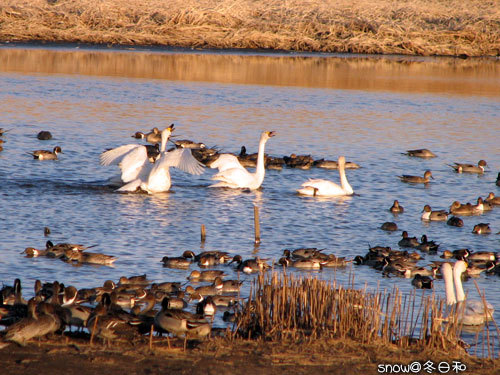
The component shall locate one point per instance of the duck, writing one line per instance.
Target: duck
(238, 177)
(491, 199)
(141, 280)
(422, 282)
(166, 287)
(420, 153)
(227, 286)
(175, 302)
(186, 143)
(46, 155)
(180, 322)
(325, 188)
(470, 312)
(469, 168)
(91, 258)
(36, 324)
(426, 245)
(250, 265)
(335, 262)
(389, 226)
(44, 135)
(205, 290)
(206, 307)
(333, 164)
(417, 179)
(396, 208)
(176, 262)
(455, 221)
(303, 162)
(32, 252)
(457, 208)
(407, 241)
(154, 136)
(429, 215)
(209, 275)
(497, 182)
(481, 228)
(482, 256)
(303, 253)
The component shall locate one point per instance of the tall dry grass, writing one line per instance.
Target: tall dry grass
(302, 309)
(416, 27)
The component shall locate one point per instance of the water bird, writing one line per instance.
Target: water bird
(497, 182)
(303, 162)
(180, 322)
(206, 307)
(91, 258)
(186, 143)
(426, 245)
(429, 215)
(209, 275)
(420, 153)
(481, 228)
(457, 208)
(150, 177)
(470, 168)
(417, 179)
(176, 262)
(46, 155)
(154, 136)
(389, 226)
(325, 188)
(455, 221)
(491, 199)
(250, 265)
(396, 208)
(408, 241)
(238, 177)
(470, 312)
(422, 282)
(141, 280)
(333, 164)
(44, 135)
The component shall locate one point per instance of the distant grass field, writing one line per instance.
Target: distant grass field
(409, 27)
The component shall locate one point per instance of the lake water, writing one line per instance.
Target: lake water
(370, 109)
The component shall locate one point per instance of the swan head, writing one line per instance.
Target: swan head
(267, 135)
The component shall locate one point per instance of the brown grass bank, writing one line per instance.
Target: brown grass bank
(416, 27)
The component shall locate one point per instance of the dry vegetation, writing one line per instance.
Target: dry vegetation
(416, 27)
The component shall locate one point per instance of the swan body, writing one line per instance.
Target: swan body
(234, 175)
(137, 172)
(470, 312)
(325, 188)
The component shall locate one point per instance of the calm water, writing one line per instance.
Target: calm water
(369, 110)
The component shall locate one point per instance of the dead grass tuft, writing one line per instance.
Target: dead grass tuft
(420, 27)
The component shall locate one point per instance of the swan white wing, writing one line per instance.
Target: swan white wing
(180, 158)
(226, 161)
(238, 177)
(320, 187)
(133, 163)
(115, 155)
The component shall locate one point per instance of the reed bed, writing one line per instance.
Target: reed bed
(303, 309)
(417, 27)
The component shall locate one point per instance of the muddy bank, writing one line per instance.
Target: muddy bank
(218, 356)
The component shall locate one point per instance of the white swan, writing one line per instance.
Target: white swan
(152, 178)
(233, 175)
(325, 188)
(470, 312)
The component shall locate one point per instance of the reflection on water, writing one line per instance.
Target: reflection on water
(322, 107)
(463, 77)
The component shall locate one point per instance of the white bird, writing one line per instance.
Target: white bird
(325, 188)
(152, 178)
(470, 312)
(233, 175)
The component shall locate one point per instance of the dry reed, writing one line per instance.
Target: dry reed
(285, 307)
(417, 27)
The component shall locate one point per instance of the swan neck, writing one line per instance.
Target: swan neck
(457, 278)
(260, 170)
(448, 284)
(164, 139)
(343, 180)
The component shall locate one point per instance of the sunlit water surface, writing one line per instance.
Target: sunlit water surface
(368, 109)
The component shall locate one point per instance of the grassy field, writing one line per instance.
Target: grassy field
(417, 27)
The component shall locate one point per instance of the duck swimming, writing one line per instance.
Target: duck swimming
(396, 208)
(325, 188)
(420, 153)
(46, 155)
(417, 179)
(237, 177)
(429, 215)
(470, 168)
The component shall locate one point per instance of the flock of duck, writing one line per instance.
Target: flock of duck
(129, 306)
